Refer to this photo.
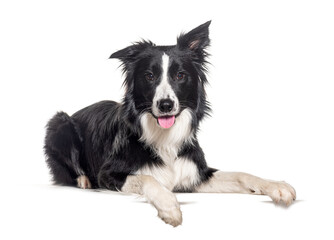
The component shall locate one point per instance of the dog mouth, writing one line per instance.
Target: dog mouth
(166, 121)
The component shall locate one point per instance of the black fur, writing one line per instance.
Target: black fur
(101, 141)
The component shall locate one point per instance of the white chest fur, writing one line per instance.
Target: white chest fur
(177, 172)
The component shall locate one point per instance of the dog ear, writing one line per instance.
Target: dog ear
(125, 53)
(130, 53)
(195, 40)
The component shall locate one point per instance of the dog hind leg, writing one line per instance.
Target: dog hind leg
(62, 148)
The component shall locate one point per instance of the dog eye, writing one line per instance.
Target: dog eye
(149, 76)
(180, 76)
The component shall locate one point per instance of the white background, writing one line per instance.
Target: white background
(271, 89)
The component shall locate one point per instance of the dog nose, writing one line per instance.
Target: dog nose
(166, 105)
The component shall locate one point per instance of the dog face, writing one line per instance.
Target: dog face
(165, 80)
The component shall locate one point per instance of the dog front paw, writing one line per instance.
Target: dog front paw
(171, 216)
(280, 192)
(169, 208)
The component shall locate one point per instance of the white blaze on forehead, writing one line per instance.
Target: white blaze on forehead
(164, 89)
(165, 64)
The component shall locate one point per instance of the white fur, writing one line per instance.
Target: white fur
(236, 182)
(185, 174)
(83, 182)
(164, 89)
(176, 172)
(166, 142)
(156, 194)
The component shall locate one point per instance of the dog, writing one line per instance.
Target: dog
(147, 144)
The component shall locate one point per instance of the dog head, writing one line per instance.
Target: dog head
(165, 80)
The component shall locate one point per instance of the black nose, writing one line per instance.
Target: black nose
(166, 105)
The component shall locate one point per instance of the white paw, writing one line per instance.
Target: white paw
(171, 216)
(83, 182)
(162, 199)
(280, 191)
(168, 207)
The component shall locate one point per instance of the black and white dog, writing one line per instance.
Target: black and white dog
(147, 144)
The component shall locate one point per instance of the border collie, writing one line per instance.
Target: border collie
(147, 144)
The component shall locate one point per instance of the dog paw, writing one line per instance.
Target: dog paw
(83, 182)
(281, 192)
(172, 216)
(169, 208)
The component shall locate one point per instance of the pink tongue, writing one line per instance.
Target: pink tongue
(166, 122)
